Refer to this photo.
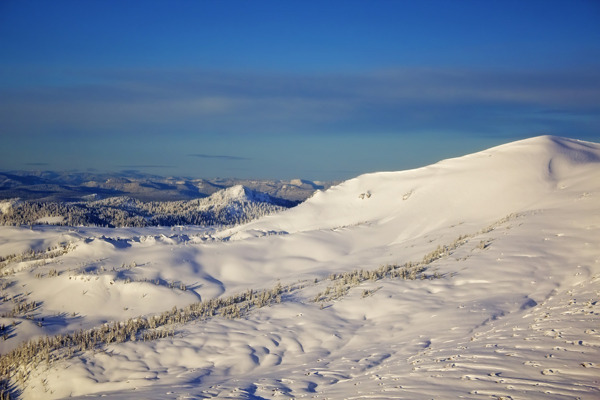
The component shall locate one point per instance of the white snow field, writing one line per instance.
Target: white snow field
(509, 309)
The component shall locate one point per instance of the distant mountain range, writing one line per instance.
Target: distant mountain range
(81, 186)
(132, 199)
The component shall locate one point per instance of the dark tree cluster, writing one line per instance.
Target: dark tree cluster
(128, 212)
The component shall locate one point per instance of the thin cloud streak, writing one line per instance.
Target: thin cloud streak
(219, 157)
(283, 121)
(146, 166)
(393, 100)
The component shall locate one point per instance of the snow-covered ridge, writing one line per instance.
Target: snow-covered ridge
(480, 186)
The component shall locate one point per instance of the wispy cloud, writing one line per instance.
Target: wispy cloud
(234, 103)
(146, 166)
(219, 157)
(36, 164)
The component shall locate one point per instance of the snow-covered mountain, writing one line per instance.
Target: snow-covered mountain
(241, 194)
(476, 277)
(478, 187)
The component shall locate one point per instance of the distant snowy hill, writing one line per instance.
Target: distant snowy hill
(475, 277)
(239, 193)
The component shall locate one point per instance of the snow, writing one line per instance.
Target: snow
(513, 312)
(237, 193)
(477, 187)
(6, 205)
(50, 220)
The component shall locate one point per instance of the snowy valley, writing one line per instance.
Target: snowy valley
(475, 277)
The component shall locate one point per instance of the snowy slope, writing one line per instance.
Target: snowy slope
(478, 187)
(509, 309)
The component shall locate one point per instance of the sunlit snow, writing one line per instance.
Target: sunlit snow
(510, 310)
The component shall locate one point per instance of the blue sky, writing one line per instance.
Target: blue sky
(284, 89)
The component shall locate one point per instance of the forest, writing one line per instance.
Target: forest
(129, 212)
